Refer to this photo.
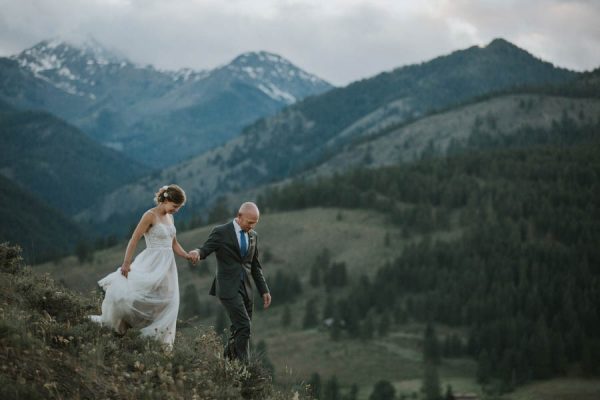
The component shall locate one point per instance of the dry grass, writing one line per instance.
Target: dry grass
(558, 389)
(50, 349)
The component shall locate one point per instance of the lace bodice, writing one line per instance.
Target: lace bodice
(160, 236)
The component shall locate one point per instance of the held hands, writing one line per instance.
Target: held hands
(193, 256)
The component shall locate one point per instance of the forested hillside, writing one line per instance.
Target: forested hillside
(42, 231)
(59, 163)
(501, 120)
(522, 277)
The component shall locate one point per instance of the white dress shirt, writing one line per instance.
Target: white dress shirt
(237, 235)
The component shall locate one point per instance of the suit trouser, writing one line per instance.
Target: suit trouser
(239, 309)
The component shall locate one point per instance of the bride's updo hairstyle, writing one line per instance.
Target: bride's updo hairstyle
(171, 193)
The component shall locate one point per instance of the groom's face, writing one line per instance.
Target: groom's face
(247, 221)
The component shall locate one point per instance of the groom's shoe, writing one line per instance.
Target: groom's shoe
(229, 352)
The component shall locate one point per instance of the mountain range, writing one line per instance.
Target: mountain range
(308, 133)
(157, 117)
(460, 192)
(397, 116)
(57, 162)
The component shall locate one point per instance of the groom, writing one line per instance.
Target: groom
(236, 247)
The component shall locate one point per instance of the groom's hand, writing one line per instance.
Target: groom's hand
(266, 300)
(194, 256)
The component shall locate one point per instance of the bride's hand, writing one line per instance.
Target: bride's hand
(125, 268)
(193, 256)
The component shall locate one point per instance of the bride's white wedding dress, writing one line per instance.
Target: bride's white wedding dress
(148, 299)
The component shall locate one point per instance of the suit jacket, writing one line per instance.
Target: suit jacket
(231, 265)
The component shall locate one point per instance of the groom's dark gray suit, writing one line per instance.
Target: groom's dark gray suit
(232, 284)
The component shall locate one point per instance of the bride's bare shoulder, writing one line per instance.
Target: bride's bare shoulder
(149, 217)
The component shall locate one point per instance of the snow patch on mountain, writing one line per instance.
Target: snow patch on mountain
(78, 68)
(277, 94)
(66, 66)
(186, 75)
(275, 76)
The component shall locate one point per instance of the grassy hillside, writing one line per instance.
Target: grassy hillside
(50, 349)
(558, 389)
(293, 239)
(291, 242)
(512, 117)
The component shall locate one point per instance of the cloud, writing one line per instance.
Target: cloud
(339, 40)
(565, 32)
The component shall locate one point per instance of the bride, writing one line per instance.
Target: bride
(144, 294)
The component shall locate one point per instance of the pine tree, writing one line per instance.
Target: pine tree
(541, 356)
(431, 382)
(315, 276)
(311, 318)
(385, 323)
(335, 332)
(335, 276)
(367, 327)
(383, 390)
(431, 346)
(484, 367)
(559, 358)
(323, 259)
(449, 393)
(352, 393)
(84, 251)
(331, 391)
(348, 314)
(329, 308)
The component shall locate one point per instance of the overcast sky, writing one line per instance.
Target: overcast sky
(338, 40)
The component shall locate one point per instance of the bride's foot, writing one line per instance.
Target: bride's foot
(123, 327)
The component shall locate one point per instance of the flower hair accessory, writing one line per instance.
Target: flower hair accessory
(165, 194)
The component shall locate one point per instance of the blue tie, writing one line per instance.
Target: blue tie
(243, 245)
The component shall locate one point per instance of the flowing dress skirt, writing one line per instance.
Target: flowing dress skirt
(148, 299)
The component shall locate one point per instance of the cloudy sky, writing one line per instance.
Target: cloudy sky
(339, 40)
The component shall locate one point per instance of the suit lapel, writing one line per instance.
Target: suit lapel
(234, 239)
(251, 244)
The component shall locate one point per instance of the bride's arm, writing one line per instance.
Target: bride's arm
(179, 250)
(140, 229)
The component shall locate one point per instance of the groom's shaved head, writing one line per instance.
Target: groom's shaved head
(248, 216)
(248, 208)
